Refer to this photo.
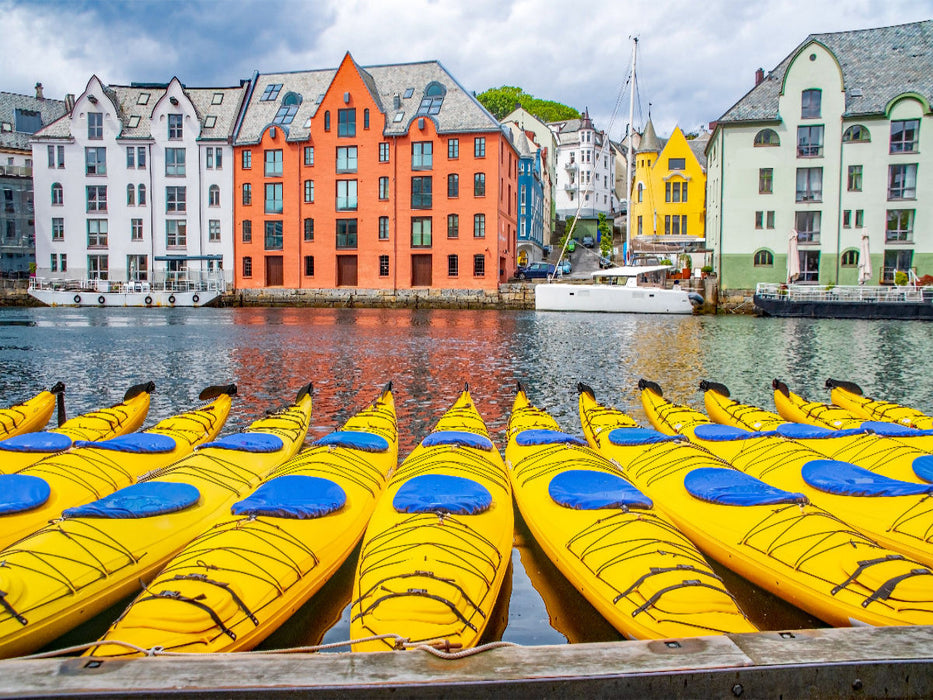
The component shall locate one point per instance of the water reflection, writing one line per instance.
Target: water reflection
(349, 355)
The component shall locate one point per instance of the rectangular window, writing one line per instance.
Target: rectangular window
(137, 267)
(346, 122)
(346, 233)
(859, 218)
(765, 180)
(97, 233)
(247, 160)
(807, 224)
(422, 155)
(479, 226)
(97, 198)
(141, 157)
(247, 231)
(176, 233)
(209, 157)
(453, 149)
(213, 196)
(51, 160)
(676, 163)
(809, 141)
(273, 198)
(130, 196)
(130, 157)
(346, 159)
(366, 118)
(175, 199)
(421, 193)
(384, 152)
(383, 228)
(309, 155)
(213, 230)
(905, 136)
(770, 219)
(174, 126)
(421, 232)
(309, 191)
(346, 195)
(453, 266)
(810, 101)
(247, 267)
(60, 150)
(218, 158)
(309, 266)
(902, 181)
(175, 162)
(136, 229)
(58, 229)
(453, 226)
(95, 161)
(453, 185)
(63, 259)
(247, 194)
(98, 267)
(309, 229)
(273, 161)
(759, 221)
(479, 147)
(273, 235)
(479, 265)
(95, 126)
(847, 218)
(54, 263)
(327, 120)
(383, 265)
(383, 188)
(855, 178)
(479, 185)
(900, 226)
(809, 184)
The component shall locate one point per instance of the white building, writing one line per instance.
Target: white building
(136, 182)
(586, 172)
(834, 144)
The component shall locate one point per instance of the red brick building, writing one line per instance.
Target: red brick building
(386, 177)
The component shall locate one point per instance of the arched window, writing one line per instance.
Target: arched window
(327, 120)
(767, 137)
(764, 258)
(213, 196)
(856, 134)
(288, 110)
(130, 195)
(58, 196)
(141, 199)
(850, 258)
(641, 190)
(366, 118)
(433, 98)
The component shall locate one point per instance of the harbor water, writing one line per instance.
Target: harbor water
(428, 355)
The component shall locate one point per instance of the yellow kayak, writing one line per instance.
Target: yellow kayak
(895, 514)
(849, 396)
(92, 470)
(439, 543)
(628, 560)
(31, 415)
(772, 537)
(18, 452)
(99, 552)
(251, 570)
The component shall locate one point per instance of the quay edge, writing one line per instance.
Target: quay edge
(850, 662)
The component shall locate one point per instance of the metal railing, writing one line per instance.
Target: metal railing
(184, 281)
(812, 292)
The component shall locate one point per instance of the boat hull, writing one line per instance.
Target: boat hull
(919, 311)
(51, 297)
(611, 299)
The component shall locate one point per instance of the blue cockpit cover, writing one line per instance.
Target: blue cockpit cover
(528, 438)
(142, 500)
(461, 438)
(801, 431)
(36, 442)
(21, 492)
(640, 436)
(583, 489)
(356, 440)
(847, 479)
(713, 432)
(248, 442)
(139, 443)
(923, 467)
(730, 487)
(433, 493)
(293, 496)
(893, 429)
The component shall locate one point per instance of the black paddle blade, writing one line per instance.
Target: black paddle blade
(585, 389)
(851, 387)
(304, 391)
(778, 385)
(715, 386)
(144, 388)
(212, 392)
(652, 386)
(519, 388)
(387, 388)
(59, 391)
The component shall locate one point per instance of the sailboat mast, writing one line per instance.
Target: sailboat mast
(630, 160)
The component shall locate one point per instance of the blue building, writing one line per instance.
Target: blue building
(533, 208)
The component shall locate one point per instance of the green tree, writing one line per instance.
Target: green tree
(605, 235)
(501, 101)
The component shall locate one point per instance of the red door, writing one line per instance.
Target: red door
(421, 271)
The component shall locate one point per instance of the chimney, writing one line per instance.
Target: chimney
(39, 95)
(70, 101)
(759, 76)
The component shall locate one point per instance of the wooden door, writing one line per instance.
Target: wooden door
(421, 271)
(275, 271)
(346, 271)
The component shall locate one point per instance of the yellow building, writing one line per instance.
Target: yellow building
(669, 194)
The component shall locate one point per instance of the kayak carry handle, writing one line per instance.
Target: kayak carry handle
(212, 392)
(778, 385)
(652, 386)
(305, 391)
(585, 389)
(851, 387)
(59, 390)
(715, 386)
(144, 388)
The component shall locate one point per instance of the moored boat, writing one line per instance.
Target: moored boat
(629, 561)
(97, 553)
(438, 546)
(168, 289)
(863, 301)
(262, 559)
(849, 395)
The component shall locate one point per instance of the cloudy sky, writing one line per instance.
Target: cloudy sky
(696, 58)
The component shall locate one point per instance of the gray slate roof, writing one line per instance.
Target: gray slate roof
(50, 110)
(877, 66)
(460, 112)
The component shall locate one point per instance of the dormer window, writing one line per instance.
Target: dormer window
(288, 110)
(271, 93)
(433, 99)
(810, 103)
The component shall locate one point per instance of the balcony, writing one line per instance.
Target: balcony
(16, 170)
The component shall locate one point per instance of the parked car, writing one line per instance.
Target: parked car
(588, 242)
(536, 270)
(571, 245)
(605, 262)
(565, 266)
